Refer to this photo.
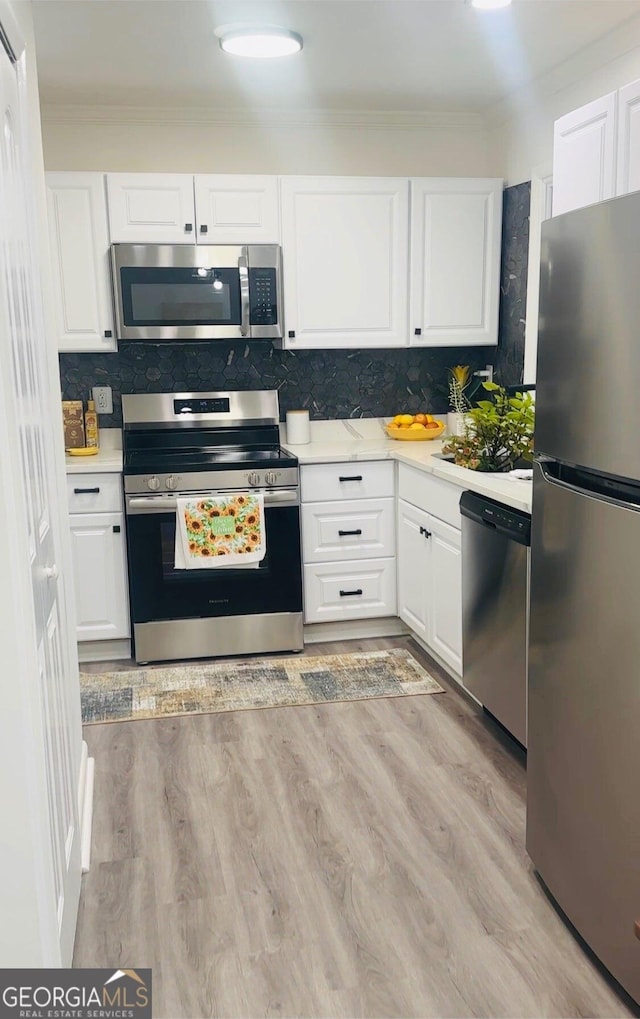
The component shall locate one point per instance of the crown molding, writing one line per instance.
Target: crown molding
(616, 44)
(171, 116)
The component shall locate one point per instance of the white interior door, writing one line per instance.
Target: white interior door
(40, 728)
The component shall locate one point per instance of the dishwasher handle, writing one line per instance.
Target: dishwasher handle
(495, 516)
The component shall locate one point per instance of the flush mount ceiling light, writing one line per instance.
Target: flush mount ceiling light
(490, 5)
(259, 42)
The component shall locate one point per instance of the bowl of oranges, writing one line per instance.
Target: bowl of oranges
(414, 427)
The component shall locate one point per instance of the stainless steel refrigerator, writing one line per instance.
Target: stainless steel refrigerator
(583, 768)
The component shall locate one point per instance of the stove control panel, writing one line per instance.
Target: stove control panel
(231, 479)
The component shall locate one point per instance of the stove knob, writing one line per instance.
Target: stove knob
(171, 483)
(271, 478)
(153, 484)
(254, 478)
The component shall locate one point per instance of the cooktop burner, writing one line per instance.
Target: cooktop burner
(142, 461)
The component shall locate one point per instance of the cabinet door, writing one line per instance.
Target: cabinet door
(628, 162)
(79, 246)
(100, 575)
(345, 250)
(455, 261)
(151, 208)
(445, 596)
(584, 155)
(237, 209)
(413, 567)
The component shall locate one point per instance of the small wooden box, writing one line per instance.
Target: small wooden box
(73, 420)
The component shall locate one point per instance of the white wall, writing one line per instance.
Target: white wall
(374, 144)
(523, 126)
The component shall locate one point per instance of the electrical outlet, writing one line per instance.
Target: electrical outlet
(103, 399)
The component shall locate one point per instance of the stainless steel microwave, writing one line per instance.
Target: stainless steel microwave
(177, 292)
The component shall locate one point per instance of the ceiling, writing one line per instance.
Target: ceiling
(413, 55)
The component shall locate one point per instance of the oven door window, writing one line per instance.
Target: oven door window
(159, 591)
(174, 297)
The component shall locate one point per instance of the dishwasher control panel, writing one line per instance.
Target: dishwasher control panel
(509, 522)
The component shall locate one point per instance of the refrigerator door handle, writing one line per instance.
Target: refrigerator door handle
(624, 495)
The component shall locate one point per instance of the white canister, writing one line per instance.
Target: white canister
(298, 430)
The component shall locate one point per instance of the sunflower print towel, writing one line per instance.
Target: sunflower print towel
(214, 531)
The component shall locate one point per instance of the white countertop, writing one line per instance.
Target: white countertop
(340, 442)
(365, 439)
(108, 459)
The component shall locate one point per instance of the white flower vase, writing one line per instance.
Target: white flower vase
(456, 423)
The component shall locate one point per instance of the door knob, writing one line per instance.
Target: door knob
(51, 572)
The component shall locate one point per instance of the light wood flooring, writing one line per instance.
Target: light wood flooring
(361, 859)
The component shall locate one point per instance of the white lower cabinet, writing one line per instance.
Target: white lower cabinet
(413, 578)
(99, 556)
(350, 590)
(430, 577)
(334, 531)
(348, 541)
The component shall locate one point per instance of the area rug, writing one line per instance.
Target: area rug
(265, 683)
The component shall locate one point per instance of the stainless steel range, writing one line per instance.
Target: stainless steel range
(179, 444)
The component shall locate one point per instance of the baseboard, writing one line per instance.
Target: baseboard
(354, 629)
(85, 805)
(103, 650)
(443, 665)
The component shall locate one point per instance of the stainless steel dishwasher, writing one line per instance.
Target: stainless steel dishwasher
(495, 608)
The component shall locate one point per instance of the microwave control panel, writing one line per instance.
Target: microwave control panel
(263, 296)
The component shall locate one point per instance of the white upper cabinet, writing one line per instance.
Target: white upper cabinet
(584, 155)
(79, 245)
(151, 208)
(629, 139)
(237, 209)
(346, 252)
(455, 261)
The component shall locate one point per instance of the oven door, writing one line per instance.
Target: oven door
(159, 592)
(181, 291)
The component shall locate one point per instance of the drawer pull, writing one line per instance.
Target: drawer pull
(347, 594)
(356, 477)
(343, 533)
(423, 530)
(86, 491)
(116, 528)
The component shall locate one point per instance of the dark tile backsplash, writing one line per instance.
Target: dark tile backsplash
(509, 361)
(330, 383)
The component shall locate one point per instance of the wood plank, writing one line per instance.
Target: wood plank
(353, 859)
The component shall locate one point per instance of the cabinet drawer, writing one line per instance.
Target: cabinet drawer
(94, 493)
(351, 590)
(430, 494)
(333, 531)
(353, 480)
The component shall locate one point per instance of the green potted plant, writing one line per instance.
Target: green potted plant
(498, 432)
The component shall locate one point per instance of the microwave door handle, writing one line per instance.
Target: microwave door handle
(243, 271)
